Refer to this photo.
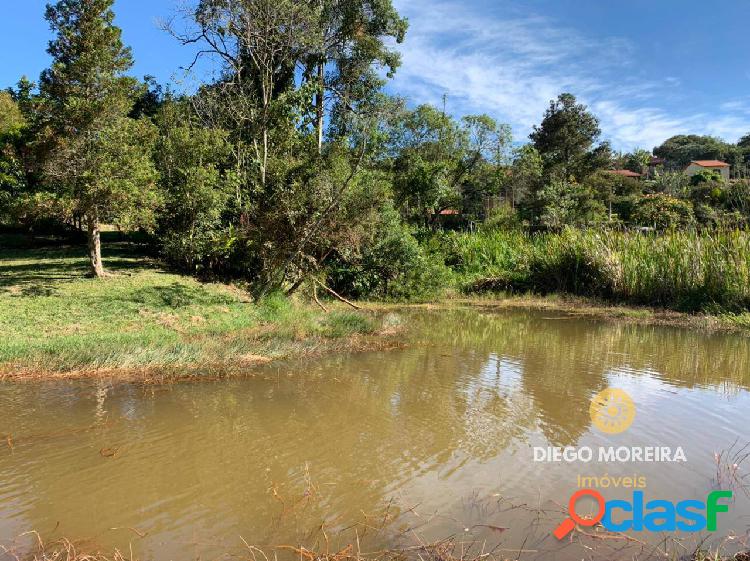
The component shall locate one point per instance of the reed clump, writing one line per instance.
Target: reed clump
(688, 271)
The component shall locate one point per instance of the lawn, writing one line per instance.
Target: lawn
(53, 318)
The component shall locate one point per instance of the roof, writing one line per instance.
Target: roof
(710, 163)
(624, 172)
(449, 212)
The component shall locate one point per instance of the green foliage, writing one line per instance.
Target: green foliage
(662, 212)
(637, 160)
(296, 196)
(342, 323)
(294, 164)
(737, 198)
(526, 174)
(440, 163)
(680, 150)
(566, 140)
(489, 259)
(109, 175)
(190, 159)
(690, 271)
(98, 158)
(12, 121)
(12, 126)
(392, 265)
(675, 184)
(706, 176)
(502, 218)
(565, 203)
(85, 84)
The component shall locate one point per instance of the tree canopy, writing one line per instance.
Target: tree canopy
(567, 139)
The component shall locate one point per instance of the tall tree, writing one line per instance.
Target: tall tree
(441, 163)
(12, 126)
(681, 149)
(296, 198)
(566, 140)
(100, 160)
(352, 39)
(525, 175)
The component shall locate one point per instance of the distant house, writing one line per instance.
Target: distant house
(698, 166)
(625, 173)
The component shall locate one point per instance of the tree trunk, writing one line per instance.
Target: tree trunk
(95, 245)
(319, 102)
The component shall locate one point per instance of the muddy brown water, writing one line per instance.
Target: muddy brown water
(383, 449)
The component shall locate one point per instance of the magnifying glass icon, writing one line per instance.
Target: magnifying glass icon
(569, 524)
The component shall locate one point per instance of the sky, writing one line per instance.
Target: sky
(648, 69)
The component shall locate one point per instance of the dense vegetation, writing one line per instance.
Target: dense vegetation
(295, 165)
(688, 270)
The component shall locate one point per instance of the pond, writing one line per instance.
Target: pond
(387, 449)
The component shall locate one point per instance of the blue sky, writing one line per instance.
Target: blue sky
(648, 69)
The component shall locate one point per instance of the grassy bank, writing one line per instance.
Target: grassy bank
(685, 271)
(55, 319)
(147, 321)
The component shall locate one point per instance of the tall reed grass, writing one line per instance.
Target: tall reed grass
(685, 270)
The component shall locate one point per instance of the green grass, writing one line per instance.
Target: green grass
(686, 271)
(52, 317)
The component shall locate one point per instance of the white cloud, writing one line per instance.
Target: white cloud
(511, 65)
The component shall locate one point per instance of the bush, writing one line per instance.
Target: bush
(705, 176)
(503, 218)
(392, 266)
(662, 212)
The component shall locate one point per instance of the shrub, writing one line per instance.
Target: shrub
(392, 265)
(705, 176)
(662, 212)
(503, 218)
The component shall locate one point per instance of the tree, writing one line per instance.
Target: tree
(440, 163)
(566, 140)
(525, 175)
(100, 160)
(563, 203)
(297, 198)
(12, 125)
(351, 40)
(663, 212)
(744, 146)
(191, 161)
(680, 150)
(638, 160)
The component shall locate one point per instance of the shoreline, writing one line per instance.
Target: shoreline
(235, 366)
(585, 307)
(272, 344)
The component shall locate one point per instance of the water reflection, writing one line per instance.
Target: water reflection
(447, 423)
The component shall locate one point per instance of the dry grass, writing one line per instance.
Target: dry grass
(58, 550)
